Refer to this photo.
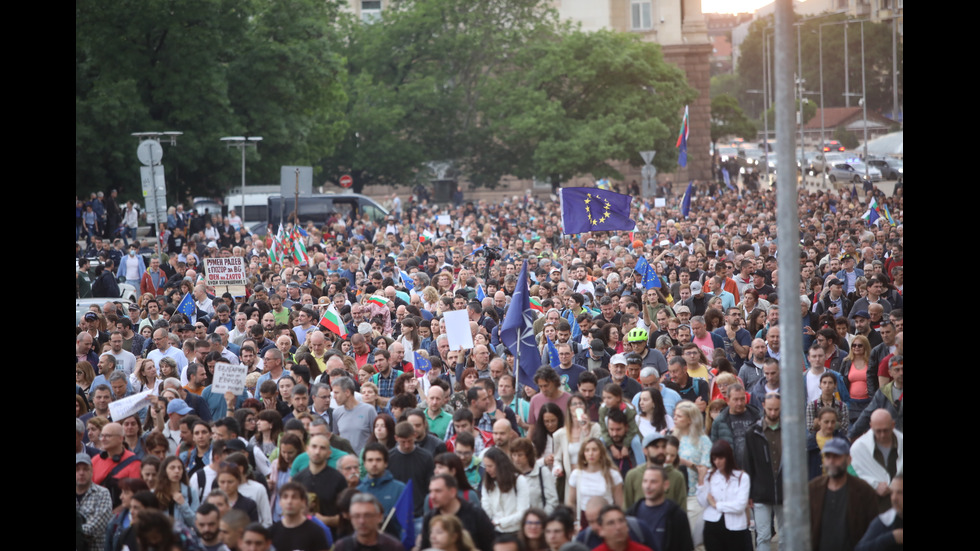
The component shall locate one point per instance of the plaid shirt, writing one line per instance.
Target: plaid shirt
(386, 385)
(95, 506)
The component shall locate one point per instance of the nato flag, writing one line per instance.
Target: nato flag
(517, 332)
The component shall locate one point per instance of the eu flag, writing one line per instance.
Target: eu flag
(422, 365)
(517, 332)
(480, 295)
(553, 354)
(407, 280)
(686, 202)
(404, 513)
(589, 209)
(188, 308)
(650, 278)
(576, 330)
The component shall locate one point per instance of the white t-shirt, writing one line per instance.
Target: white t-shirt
(588, 485)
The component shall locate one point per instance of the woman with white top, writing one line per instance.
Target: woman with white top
(505, 492)
(694, 451)
(723, 492)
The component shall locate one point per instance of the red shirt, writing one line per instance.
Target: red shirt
(630, 546)
(101, 467)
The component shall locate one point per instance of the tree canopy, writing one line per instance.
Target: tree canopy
(499, 87)
(878, 62)
(727, 119)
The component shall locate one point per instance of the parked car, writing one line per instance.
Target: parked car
(891, 169)
(853, 171)
(824, 161)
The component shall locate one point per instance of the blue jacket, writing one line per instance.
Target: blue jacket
(121, 272)
(385, 488)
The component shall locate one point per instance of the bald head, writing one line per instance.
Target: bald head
(883, 426)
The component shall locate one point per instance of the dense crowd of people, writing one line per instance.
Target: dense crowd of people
(652, 423)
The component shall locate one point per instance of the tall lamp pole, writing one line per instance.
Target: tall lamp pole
(242, 143)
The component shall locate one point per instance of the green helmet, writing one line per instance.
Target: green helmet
(636, 335)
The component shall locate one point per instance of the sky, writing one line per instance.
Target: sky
(732, 6)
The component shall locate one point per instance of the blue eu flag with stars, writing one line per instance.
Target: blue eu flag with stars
(650, 278)
(590, 209)
(188, 308)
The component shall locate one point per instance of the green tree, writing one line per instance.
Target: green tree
(574, 101)
(416, 81)
(724, 84)
(878, 62)
(727, 119)
(287, 84)
(208, 68)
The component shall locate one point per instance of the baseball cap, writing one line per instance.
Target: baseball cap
(618, 359)
(653, 437)
(178, 406)
(837, 446)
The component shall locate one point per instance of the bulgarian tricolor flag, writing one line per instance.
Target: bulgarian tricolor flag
(276, 250)
(299, 248)
(536, 304)
(332, 321)
(377, 300)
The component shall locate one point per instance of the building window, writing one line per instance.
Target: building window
(641, 15)
(370, 10)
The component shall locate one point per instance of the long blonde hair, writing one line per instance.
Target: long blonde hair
(691, 411)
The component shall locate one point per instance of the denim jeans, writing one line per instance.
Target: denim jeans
(763, 524)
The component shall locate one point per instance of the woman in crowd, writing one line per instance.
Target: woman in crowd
(652, 416)
(290, 446)
(268, 428)
(122, 519)
(468, 379)
(168, 368)
(94, 428)
(854, 371)
(723, 492)
(828, 398)
(505, 492)
(446, 533)
(532, 530)
(229, 481)
(133, 435)
(595, 476)
(826, 425)
(694, 450)
(174, 494)
(84, 375)
(149, 468)
(144, 377)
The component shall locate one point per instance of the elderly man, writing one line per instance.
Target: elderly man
(161, 338)
(878, 455)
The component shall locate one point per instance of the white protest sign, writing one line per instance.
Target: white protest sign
(659, 202)
(443, 220)
(225, 271)
(229, 378)
(458, 330)
(123, 408)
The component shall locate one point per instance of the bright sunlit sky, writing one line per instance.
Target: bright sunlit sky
(732, 6)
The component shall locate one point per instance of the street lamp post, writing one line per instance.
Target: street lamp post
(242, 142)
